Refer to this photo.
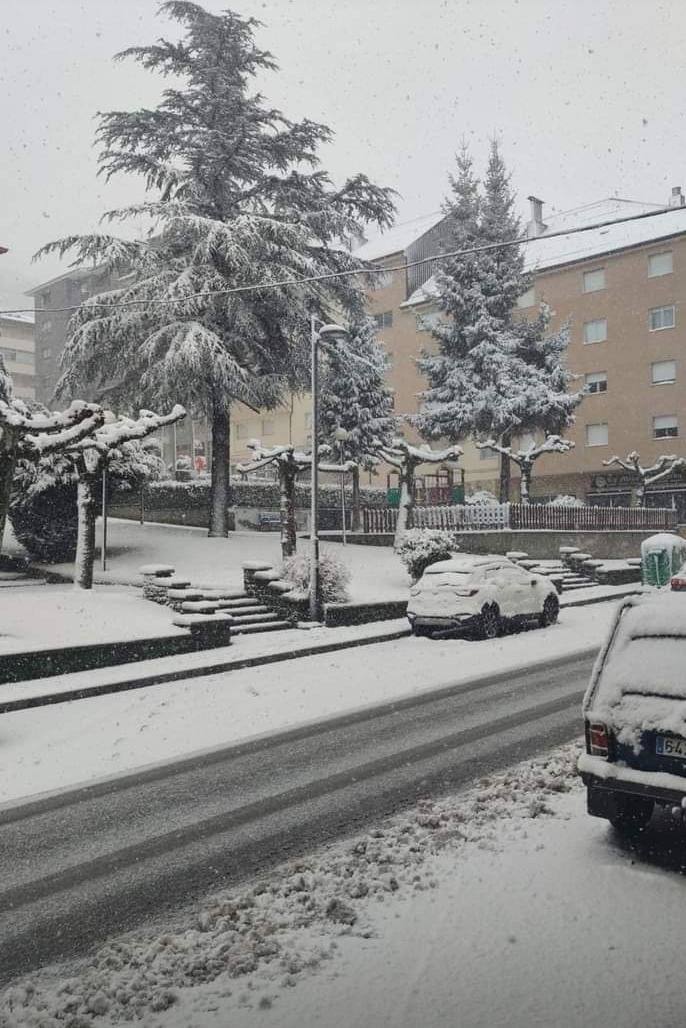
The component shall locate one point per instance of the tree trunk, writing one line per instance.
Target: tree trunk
(638, 498)
(288, 525)
(220, 485)
(86, 502)
(8, 457)
(525, 483)
(356, 513)
(504, 497)
(406, 504)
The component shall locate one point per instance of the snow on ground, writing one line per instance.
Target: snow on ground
(45, 748)
(503, 905)
(376, 573)
(44, 617)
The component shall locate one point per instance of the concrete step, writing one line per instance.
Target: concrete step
(264, 626)
(249, 619)
(21, 582)
(569, 586)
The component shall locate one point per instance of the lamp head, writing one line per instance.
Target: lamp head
(333, 333)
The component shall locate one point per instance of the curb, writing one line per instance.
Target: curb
(235, 664)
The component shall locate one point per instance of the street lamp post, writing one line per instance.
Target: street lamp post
(341, 437)
(327, 333)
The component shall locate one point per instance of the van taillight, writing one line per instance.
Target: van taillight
(678, 583)
(597, 740)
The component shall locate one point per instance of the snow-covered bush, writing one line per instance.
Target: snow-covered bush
(420, 547)
(482, 496)
(334, 576)
(564, 500)
(43, 507)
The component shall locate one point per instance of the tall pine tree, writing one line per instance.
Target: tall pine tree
(494, 374)
(237, 198)
(356, 398)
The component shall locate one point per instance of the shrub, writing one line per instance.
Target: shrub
(420, 547)
(334, 576)
(261, 495)
(566, 501)
(482, 496)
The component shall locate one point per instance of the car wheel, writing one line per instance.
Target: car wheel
(490, 623)
(631, 813)
(550, 612)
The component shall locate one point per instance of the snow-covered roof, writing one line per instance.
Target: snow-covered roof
(24, 319)
(546, 251)
(398, 238)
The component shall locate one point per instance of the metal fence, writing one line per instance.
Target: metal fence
(480, 517)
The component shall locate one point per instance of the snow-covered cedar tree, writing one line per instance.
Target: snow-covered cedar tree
(420, 547)
(334, 576)
(356, 399)
(29, 431)
(526, 457)
(289, 463)
(91, 457)
(236, 199)
(565, 500)
(493, 372)
(483, 497)
(646, 476)
(406, 458)
(43, 509)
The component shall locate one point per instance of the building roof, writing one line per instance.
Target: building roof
(399, 237)
(75, 274)
(24, 319)
(548, 251)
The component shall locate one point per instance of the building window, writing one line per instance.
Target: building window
(660, 264)
(267, 426)
(46, 325)
(45, 298)
(665, 427)
(661, 317)
(10, 355)
(594, 280)
(527, 299)
(595, 331)
(597, 382)
(663, 372)
(23, 356)
(244, 430)
(46, 352)
(596, 435)
(487, 453)
(384, 320)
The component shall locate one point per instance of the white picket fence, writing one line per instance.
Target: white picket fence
(464, 517)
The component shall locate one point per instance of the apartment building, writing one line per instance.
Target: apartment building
(18, 352)
(621, 288)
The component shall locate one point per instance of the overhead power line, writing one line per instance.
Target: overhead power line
(328, 276)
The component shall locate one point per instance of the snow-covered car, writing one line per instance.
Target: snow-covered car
(635, 714)
(479, 591)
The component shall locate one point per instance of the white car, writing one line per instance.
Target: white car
(482, 592)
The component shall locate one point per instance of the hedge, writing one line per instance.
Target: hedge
(262, 495)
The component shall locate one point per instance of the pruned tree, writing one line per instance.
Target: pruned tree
(91, 456)
(247, 225)
(526, 458)
(31, 434)
(289, 463)
(645, 477)
(356, 407)
(406, 459)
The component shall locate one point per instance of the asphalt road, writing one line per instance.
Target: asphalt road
(79, 866)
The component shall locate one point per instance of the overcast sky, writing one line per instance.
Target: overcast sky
(587, 97)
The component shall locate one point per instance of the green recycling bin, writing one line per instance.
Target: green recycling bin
(661, 557)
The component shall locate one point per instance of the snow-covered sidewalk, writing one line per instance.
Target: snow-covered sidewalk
(46, 748)
(502, 906)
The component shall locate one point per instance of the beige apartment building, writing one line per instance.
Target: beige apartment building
(18, 351)
(621, 287)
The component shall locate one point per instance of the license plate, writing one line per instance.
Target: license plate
(667, 746)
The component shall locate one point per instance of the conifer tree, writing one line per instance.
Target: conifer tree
(237, 197)
(356, 399)
(495, 374)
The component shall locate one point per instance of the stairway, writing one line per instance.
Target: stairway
(248, 615)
